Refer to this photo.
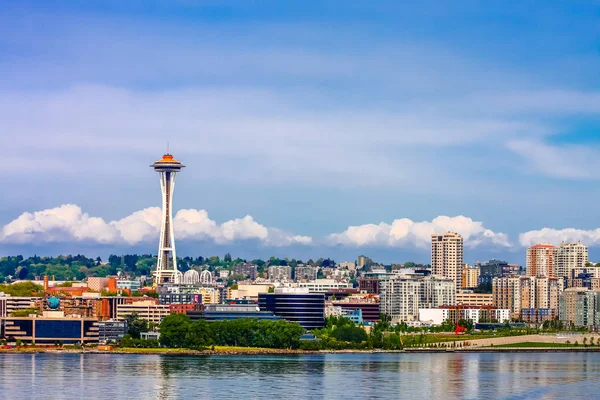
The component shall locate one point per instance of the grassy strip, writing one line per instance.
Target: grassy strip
(536, 344)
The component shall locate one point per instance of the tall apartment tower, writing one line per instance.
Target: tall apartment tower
(447, 256)
(541, 261)
(569, 256)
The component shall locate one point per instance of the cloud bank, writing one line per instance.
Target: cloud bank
(556, 236)
(68, 223)
(404, 232)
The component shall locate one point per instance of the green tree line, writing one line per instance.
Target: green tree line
(179, 331)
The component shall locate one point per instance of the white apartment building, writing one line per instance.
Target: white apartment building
(148, 310)
(324, 285)
(280, 273)
(447, 256)
(436, 316)
(401, 297)
(569, 256)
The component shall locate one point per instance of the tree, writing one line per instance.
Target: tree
(227, 258)
(199, 335)
(467, 324)
(175, 330)
(136, 325)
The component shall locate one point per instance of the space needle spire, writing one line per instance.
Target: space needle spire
(166, 267)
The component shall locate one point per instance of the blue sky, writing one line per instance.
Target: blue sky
(308, 129)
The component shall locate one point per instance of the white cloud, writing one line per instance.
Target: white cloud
(406, 233)
(556, 236)
(68, 223)
(565, 161)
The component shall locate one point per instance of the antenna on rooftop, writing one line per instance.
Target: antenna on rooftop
(167, 147)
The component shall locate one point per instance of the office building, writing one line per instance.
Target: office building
(474, 299)
(111, 331)
(494, 269)
(324, 285)
(11, 304)
(148, 310)
(180, 298)
(447, 256)
(123, 284)
(51, 327)
(249, 290)
(541, 261)
(229, 312)
(296, 305)
(401, 297)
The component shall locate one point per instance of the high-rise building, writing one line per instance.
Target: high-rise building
(166, 267)
(533, 299)
(401, 297)
(540, 261)
(361, 261)
(470, 276)
(493, 269)
(447, 256)
(569, 256)
(580, 307)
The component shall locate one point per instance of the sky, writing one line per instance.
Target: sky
(308, 129)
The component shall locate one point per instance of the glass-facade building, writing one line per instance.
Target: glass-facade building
(229, 312)
(112, 331)
(51, 330)
(307, 309)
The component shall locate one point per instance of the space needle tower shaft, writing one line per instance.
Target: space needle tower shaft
(166, 267)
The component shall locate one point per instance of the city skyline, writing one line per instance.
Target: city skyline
(304, 135)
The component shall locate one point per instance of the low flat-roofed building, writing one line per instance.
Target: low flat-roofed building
(324, 285)
(10, 304)
(148, 310)
(474, 299)
(249, 290)
(134, 286)
(111, 331)
(369, 310)
(50, 328)
(228, 312)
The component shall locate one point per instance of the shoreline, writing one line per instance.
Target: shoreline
(286, 352)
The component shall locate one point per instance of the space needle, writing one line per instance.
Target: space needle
(166, 267)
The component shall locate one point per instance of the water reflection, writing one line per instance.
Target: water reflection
(370, 376)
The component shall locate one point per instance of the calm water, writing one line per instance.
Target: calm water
(331, 376)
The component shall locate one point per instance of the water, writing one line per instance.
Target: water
(327, 376)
